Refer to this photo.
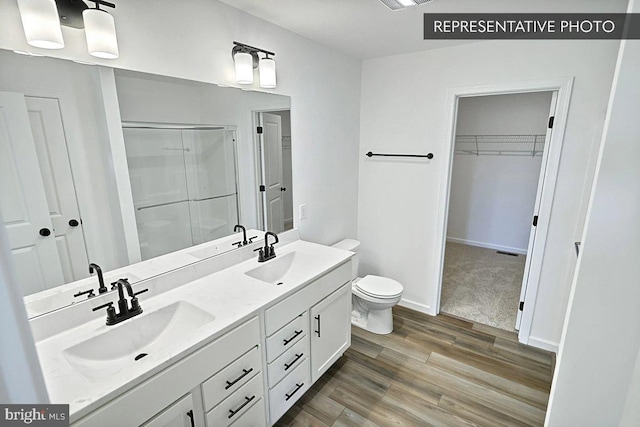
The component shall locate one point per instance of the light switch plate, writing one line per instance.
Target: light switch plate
(303, 211)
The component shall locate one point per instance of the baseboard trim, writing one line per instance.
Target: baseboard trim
(544, 344)
(422, 308)
(487, 245)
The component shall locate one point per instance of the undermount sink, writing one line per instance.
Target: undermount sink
(293, 266)
(126, 345)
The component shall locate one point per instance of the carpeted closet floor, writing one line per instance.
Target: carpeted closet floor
(481, 285)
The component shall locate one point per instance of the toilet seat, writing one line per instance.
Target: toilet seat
(379, 287)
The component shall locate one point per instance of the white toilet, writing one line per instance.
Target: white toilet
(373, 296)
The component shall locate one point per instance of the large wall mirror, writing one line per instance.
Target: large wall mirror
(115, 167)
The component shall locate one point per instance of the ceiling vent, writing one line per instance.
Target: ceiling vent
(401, 4)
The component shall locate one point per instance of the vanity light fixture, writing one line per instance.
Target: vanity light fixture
(100, 30)
(267, 70)
(247, 59)
(41, 21)
(401, 4)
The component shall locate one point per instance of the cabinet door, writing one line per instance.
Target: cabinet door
(180, 414)
(330, 330)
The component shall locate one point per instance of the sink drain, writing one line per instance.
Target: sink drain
(140, 356)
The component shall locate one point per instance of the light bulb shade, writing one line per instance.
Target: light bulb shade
(244, 68)
(100, 29)
(267, 73)
(41, 23)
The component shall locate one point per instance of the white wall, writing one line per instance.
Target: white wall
(398, 199)
(513, 114)
(492, 197)
(631, 412)
(594, 378)
(76, 88)
(195, 43)
(492, 200)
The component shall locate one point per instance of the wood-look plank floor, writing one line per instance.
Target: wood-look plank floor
(440, 371)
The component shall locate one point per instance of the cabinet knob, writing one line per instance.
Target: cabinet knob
(44, 232)
(73, 223)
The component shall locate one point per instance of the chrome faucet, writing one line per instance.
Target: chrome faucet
(268, 252)
(124, 312)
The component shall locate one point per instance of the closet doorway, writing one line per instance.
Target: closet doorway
(497, 177)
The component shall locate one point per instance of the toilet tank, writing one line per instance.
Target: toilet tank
(353, 246)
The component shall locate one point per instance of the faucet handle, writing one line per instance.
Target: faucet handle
(100, 307)
(141, 292)
(261, 255)
(251, 239)
(237, 243)
(88, 291)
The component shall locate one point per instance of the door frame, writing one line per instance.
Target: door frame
(563, 87)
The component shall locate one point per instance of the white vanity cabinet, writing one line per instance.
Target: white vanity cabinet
(331, 330)
(297, 354)
(249, 376)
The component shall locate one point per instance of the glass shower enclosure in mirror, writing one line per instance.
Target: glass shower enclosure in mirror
(183, 182)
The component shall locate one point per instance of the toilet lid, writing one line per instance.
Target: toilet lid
(381, 287)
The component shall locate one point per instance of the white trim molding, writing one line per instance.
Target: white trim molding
(563, 87)
(486, 245)
(544, 344)
(422, 308)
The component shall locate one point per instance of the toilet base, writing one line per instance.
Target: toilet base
(376, 321)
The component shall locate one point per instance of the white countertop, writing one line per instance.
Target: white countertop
(229, 295)
(63, 296)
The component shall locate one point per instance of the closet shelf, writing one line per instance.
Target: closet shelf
(500, 145)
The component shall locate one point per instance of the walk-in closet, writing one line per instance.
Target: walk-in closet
(498, 156)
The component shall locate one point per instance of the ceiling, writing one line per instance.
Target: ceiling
(368, 29)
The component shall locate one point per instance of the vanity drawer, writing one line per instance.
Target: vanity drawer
(233, 407)
(231, 378)
(286, 337)
(288, 361)
(278, 315)
(288, 391)
(256, 416)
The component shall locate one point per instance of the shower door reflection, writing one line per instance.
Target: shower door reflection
(184, 185)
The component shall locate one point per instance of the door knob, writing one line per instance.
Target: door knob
(283, 188)
(73, 223)
(44, 232)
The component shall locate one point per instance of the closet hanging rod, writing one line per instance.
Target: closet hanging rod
(428, 156)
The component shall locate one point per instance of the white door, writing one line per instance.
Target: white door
(273, 203)
(536, 210)
(330, 330)
(55, 169)
(23, 203)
